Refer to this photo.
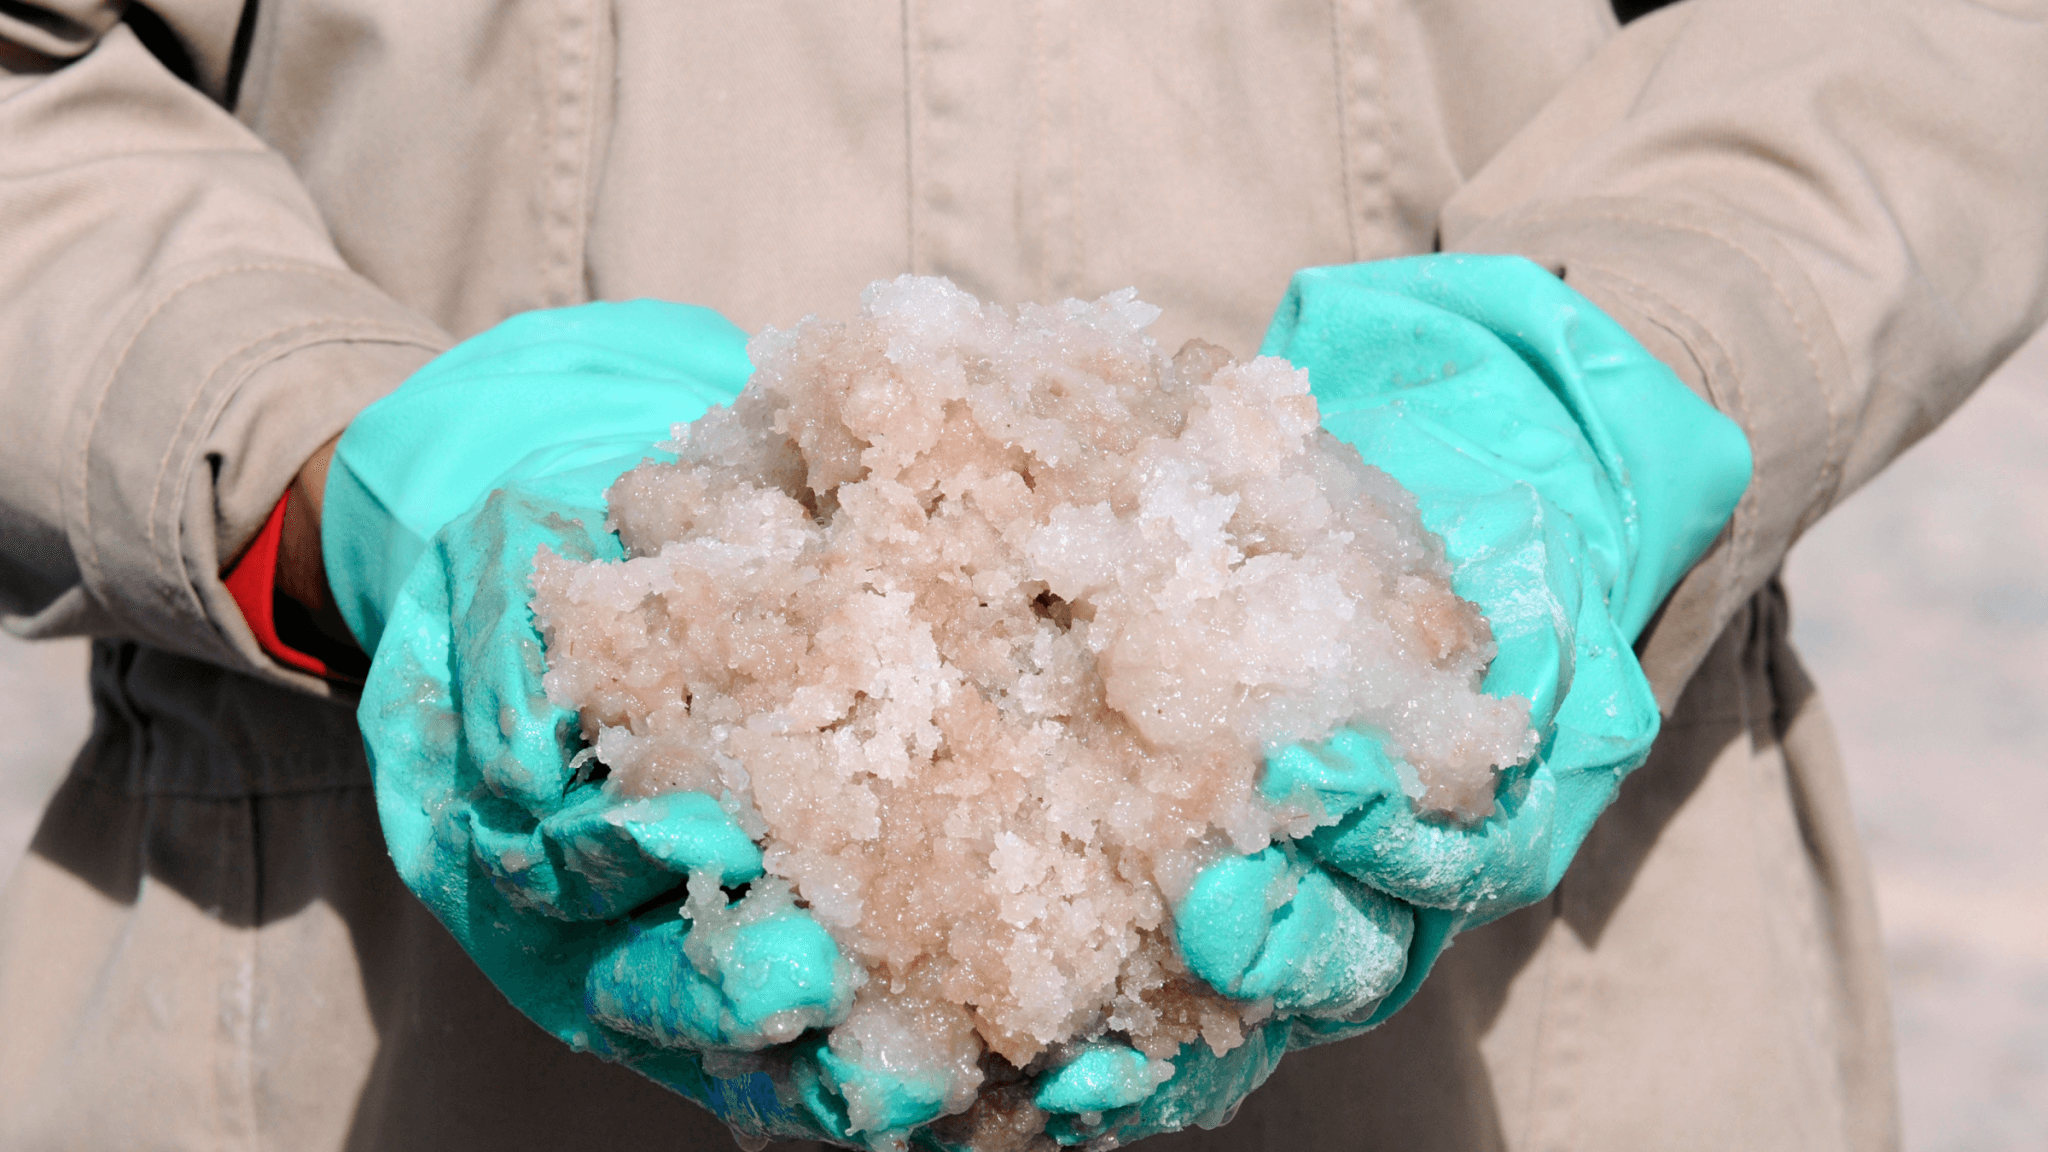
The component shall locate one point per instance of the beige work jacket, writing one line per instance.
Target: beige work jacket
(225, 227)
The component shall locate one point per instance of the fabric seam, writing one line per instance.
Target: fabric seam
(325, 332)
(911, 97)
(1368, 175)
(1343, 82)
(224, 394)
(81, 472)
(91, 570)
(1837, 420)
(1742, 542)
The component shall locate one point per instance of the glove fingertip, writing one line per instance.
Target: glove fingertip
(690, 832)
(1224, 919)
(1097, 1078)
(880, 1102)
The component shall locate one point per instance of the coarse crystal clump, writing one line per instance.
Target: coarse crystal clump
(982, 623)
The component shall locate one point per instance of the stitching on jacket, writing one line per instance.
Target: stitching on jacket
(90, 567)
(328, 332)
(913, 93)
(567, 153)
(348, 331)
(185, 417)
(1837, 425)
(240, 1021)
(1342, 94)
(1369, 132)
(89, 554)
(222, 395)
(1742, 543)
(1837, 419)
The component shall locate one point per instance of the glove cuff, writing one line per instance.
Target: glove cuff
(540, 394)
(1676, 465)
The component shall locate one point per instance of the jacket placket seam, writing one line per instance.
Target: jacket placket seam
(913, 98)
(1342, 71)
(1061, 257)
(568, 150)
(1365, 128)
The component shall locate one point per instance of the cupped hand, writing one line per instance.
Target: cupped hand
(1574, 480)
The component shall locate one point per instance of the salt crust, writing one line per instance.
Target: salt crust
(981, 623)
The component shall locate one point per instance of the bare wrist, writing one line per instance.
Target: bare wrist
(301, 566)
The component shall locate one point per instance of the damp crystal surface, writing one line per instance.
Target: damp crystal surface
(981, 622)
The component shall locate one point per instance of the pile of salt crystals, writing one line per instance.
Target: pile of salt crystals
(981, 624)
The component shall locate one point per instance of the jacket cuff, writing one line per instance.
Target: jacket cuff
(1726, 306)
(209, 396)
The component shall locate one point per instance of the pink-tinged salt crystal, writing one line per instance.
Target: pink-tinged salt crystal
(981, 623)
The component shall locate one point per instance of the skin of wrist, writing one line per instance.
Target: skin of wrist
(301, 567)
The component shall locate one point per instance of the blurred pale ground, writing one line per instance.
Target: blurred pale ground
(1921, 606)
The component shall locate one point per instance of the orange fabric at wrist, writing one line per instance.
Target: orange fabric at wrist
(253, 583)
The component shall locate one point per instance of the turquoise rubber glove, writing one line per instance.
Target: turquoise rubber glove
(1575, 480)
(566, 895)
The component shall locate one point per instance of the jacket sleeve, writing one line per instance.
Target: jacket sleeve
(177, 336)
(1830, 217)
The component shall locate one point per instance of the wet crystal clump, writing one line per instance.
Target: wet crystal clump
(981, 623)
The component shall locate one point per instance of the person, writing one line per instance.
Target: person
(229, 228)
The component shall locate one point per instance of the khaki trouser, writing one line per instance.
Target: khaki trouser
(247, 971)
